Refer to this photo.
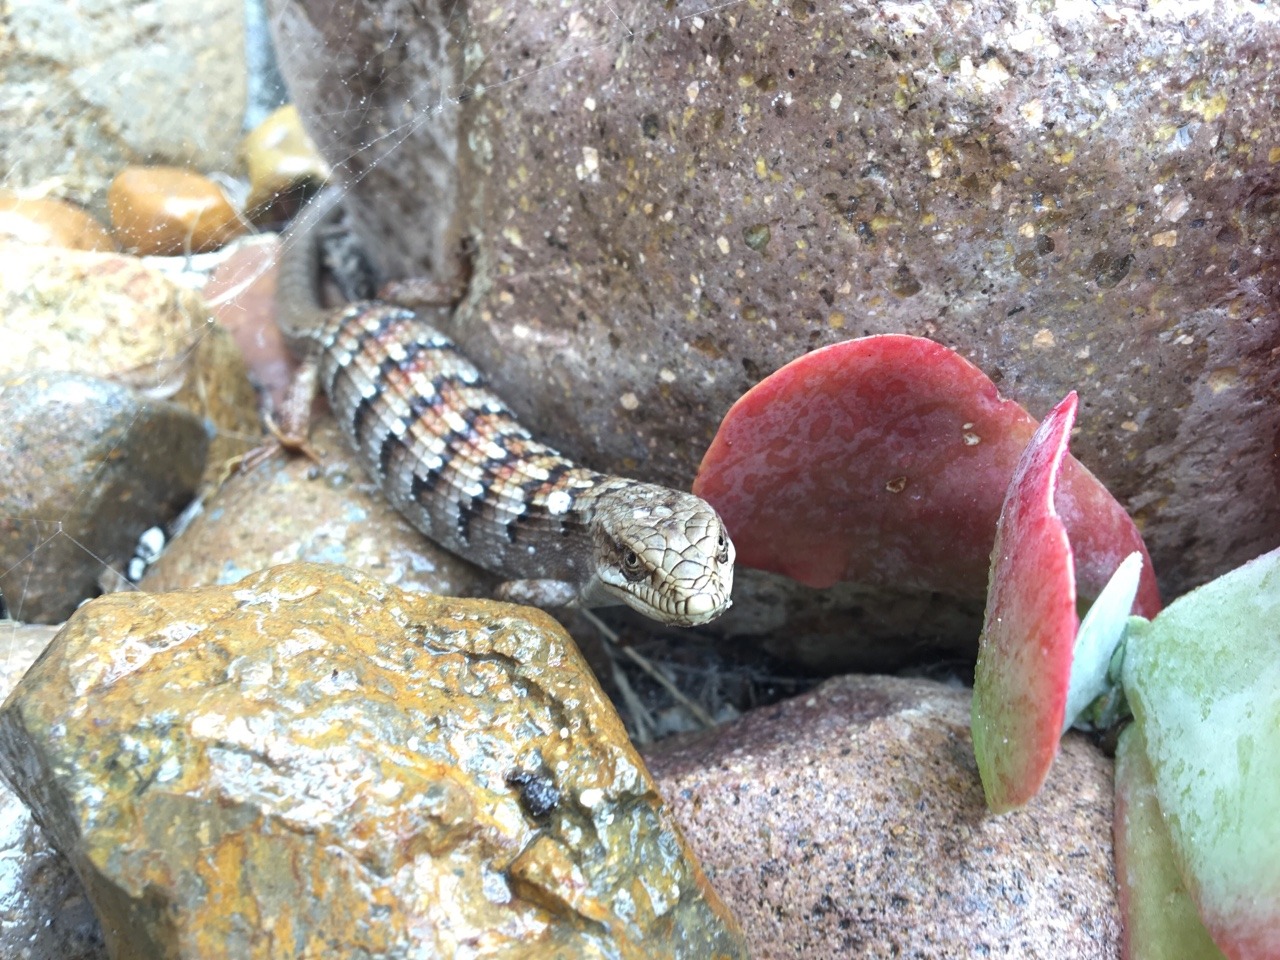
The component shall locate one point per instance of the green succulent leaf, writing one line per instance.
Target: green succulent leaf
(1204, 683)
(1161, 921)
(1100, 634)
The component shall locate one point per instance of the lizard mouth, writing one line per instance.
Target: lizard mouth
(685, 609)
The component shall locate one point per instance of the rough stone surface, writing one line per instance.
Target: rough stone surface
(669, 203)
(88, 87)
(314, 762)
(86, 466)
(291, 509)
(849, 822)
(44, 914)
(399, 61)
(117, 317)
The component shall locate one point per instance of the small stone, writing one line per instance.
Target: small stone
(168, 210)
(904, 283)
(756, 236)
(590, 164)
(280, 158)
(50, 223)
(150, 544)
(1108, 269)
(1176, 207)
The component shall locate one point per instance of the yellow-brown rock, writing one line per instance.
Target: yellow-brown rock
(280, 157)
(50, 223)
(313, 763)
(46, 915)
(115, 317)
(168, 210)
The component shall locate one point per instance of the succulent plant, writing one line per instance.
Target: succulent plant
(892, 460)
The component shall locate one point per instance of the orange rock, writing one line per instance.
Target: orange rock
(167, 210)
(50, 223)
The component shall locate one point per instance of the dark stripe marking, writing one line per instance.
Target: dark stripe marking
(390, 444)
(362, 411)
(454, 438)
(422, 486)
(465, 513)
(419, 405)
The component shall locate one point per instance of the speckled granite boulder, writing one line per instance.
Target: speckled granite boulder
(669, 202)
(311, 761)
(849, 822)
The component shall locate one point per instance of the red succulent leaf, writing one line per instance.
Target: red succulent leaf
(885, 460)
(1029, 632)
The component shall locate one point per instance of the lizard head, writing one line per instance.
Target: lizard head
(664, 553)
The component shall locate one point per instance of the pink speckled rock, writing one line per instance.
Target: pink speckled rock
(850, 822)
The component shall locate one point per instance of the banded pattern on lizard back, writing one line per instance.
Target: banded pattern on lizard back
(452, 458)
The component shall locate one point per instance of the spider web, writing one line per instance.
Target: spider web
(49, 533)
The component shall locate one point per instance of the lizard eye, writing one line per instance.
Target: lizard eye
(632, 569)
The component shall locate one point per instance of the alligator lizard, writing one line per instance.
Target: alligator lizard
(451, 457)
